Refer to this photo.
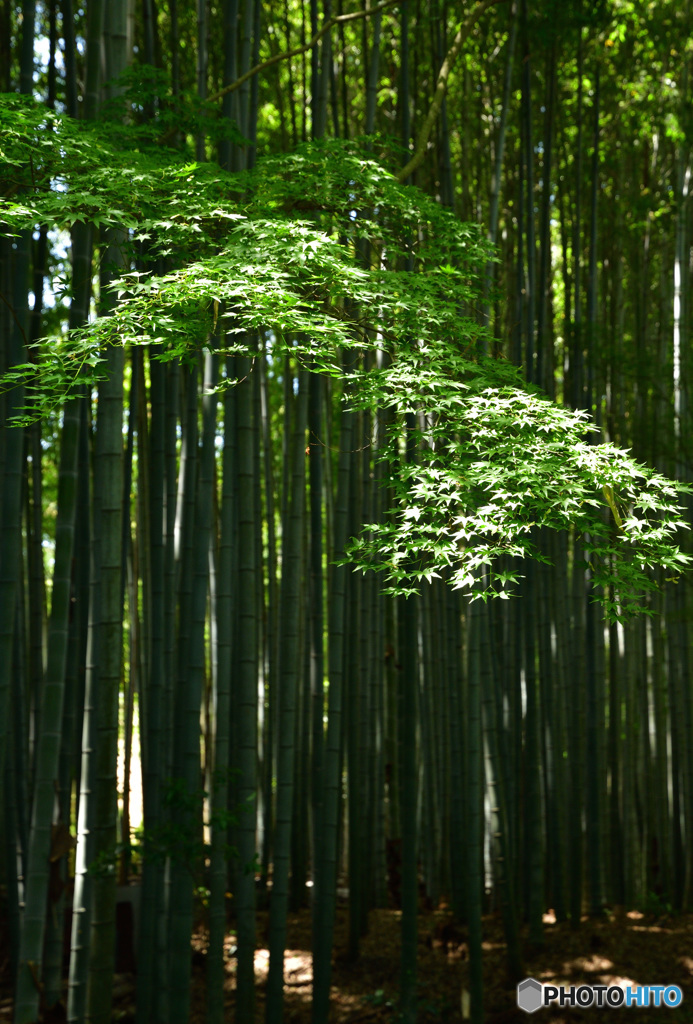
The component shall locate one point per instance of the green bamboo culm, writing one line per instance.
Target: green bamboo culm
(220, 762)
(108, 482)
(247, 695)
(325, 890)
(289, 680)
(474, 817)
(49, 739)
(153, 711)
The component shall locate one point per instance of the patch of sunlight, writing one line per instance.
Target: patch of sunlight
(298, 968)
(349, 1001)
(567, 977)
(135, 802)
(591, 964)
(261, 964)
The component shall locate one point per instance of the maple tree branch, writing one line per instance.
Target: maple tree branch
(441, 87)
(337, 19)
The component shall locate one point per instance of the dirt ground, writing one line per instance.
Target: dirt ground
(620, 948)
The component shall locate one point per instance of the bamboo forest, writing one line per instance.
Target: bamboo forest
(345, 506)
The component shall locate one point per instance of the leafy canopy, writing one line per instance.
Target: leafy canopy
(322, 249)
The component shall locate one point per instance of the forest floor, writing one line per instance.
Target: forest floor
(619, 948)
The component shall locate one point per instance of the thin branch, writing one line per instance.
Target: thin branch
(337, 19)
(441, 87)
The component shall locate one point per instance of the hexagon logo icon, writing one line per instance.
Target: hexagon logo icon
(529, 995)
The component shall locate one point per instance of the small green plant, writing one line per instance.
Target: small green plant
(379, 998)
(656, 903)
(429, 1009)
(178, 836)
(202, 893)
